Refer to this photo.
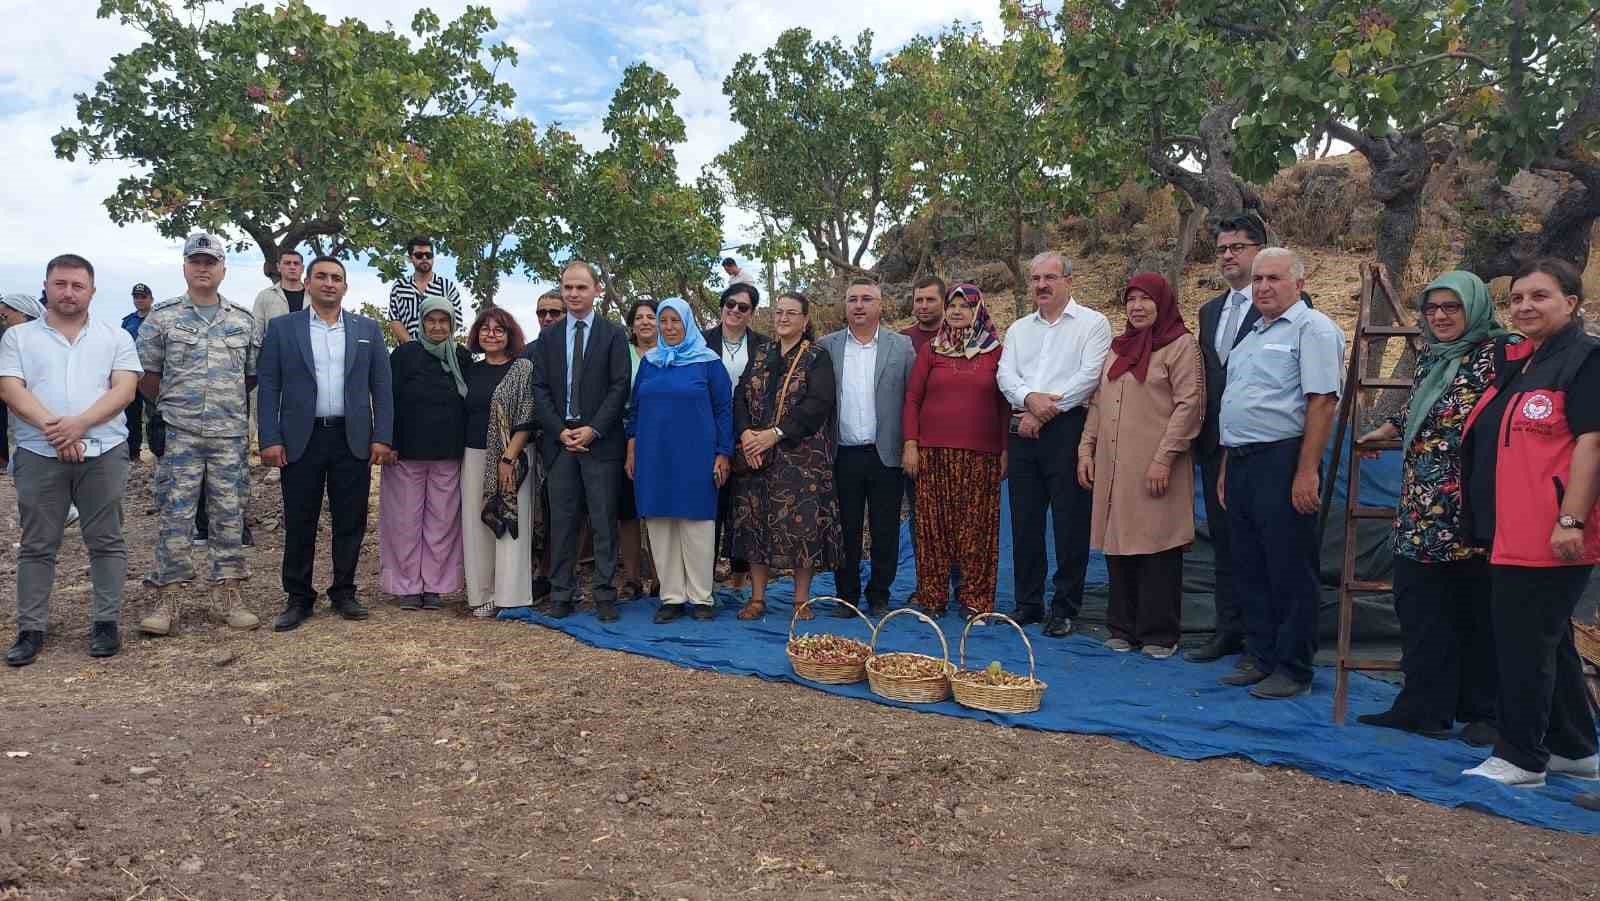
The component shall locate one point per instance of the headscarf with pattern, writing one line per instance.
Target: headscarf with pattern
(978, 338)
(1442, 359)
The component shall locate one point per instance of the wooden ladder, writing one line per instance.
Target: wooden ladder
(1359, 391)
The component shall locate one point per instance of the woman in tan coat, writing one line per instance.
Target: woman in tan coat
(1135, 456)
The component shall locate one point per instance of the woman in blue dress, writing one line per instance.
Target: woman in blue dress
(680, 436)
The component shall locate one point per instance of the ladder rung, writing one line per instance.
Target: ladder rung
(1374, 382)
(1377, 585)
(1372, 513)
(1391, 331)
(1381, 666)
(1378, 445)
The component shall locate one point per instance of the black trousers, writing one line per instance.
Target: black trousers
(5, 432)
(869, 493)
(1544, 705)
(1274, 558)
(724, 514)
(1146, 600)
(135, 418)
(1042, 478)
(1224, 597)
(576, 482)
(1447, 642)
(326, 466)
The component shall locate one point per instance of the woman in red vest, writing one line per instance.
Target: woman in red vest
(1532, 461)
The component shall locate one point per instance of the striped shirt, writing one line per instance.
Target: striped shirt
(405, 306)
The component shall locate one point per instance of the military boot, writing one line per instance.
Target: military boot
(228, 597)
(164, 620)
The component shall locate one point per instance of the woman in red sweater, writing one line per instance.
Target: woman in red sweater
(955, 447)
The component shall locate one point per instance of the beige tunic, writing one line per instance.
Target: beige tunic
(1132, 424)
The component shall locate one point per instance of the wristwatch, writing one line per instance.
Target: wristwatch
(1567, 521)
(779, 431)
(508, 459)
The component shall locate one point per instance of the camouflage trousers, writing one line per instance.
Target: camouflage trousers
(219, 468)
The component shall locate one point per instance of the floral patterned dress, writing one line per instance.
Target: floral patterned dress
(1428, 526)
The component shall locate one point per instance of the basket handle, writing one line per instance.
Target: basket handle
(793, 617)
(873, 647)
(1008, 621)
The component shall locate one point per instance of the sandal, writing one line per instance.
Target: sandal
(631, 590)
(754, 609)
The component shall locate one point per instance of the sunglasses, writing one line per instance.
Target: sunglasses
(548, 314)
(736, 305)
(422, 255)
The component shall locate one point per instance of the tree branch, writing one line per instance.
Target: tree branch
(1429, 60)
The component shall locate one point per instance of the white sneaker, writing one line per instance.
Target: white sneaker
(1118, 645)
(1506, 773)
(1582, 768)
(1159, 652)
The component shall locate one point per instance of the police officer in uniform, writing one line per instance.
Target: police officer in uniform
(199, 356)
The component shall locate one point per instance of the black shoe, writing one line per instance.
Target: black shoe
(1058, 627)
(349, 608)
(541, 589)
(411, 602)
(1481, 734)
(1219, 646)
(876, 608)
(294, 613)
(133, 454)
(1279, 687)
(430, 601)
(559, 610)
(104, 640)
(1028, 617)
(668, 612)
(843, 612)
(247, 539)
(1246, 672)
(605, 611)
(703, 612)
(1392, 719)
(27, 647)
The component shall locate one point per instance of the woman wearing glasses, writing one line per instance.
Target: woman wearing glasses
(498, 547)
(737, 344)
(1441, 580)
(955, 448)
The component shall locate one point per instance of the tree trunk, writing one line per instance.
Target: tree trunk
(1191, 217)
(1019, 289)
(1565, 232)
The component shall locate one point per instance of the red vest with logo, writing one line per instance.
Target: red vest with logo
(1533, 462)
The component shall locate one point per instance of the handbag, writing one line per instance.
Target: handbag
(740, 464)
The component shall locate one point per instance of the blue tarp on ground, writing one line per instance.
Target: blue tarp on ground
(1169, 707)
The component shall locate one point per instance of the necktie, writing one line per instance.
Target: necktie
(1230, 326)
(574, 394)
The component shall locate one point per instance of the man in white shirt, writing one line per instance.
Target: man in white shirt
(871, 365)
(1049, 369)
(68, 379)
(736, 275)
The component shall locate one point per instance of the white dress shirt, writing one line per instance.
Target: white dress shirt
(858, 406)
(1062, 357)
(1236, 305)
(67, 377)
(327, 357)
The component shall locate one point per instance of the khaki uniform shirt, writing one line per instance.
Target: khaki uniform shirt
(203, 365)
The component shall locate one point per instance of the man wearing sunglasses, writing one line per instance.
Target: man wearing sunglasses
(407, 297)
(739, 346)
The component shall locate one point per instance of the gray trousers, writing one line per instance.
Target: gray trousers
(577, 481)
(46, 487)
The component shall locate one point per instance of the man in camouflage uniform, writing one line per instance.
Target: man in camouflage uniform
(199, 356)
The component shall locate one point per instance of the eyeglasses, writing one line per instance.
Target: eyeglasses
(1449, 308)
(548, 314)
(736, 305)
(422, 255)
(491, 330)
(1235, 249)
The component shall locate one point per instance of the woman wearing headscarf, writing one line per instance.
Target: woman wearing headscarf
(1531, 471)
(785, 511)
(419, 522)
(1135, 455)
(680, 438)
(954, 423)
(499, 521)
(1441, 578)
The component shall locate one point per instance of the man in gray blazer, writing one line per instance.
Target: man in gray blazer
(326, 418)
(870, 365)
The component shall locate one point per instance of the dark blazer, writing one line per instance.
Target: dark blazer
(430, 415)
(604, 383)
(286, 377)
(1210, 438)
(755, 351)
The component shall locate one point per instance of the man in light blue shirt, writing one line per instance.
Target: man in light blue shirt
(68, 379)
(1277, 412)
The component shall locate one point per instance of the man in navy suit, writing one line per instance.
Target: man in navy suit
(581, 375)
(326, 418)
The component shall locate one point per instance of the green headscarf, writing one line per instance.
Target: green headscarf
(447, 351)
(1442, 359)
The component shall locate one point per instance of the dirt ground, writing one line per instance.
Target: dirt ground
(422, 755)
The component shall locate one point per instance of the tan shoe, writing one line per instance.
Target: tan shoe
(228, 596)
(164, 621)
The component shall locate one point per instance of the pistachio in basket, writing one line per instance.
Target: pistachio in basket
(908, 666)
(994, 674)
(824, 648)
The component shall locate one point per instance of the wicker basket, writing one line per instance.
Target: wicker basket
(1587, 637)
(826, 673)
(912, 690)
(970, 692)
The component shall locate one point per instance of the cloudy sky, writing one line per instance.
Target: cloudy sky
(571, 57)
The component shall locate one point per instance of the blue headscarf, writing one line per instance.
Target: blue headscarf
(692, 349)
